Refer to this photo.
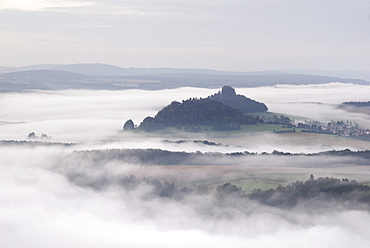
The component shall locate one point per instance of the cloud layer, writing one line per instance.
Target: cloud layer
(41, 208)
(78, 116)
(42, 205)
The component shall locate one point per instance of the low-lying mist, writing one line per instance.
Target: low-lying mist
(317, 102)
(54, 199)
(68, 190)
(80, 115)
(86, 115)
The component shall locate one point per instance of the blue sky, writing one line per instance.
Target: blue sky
(238, 35)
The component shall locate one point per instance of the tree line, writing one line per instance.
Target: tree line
(164, 157)
(322, 189)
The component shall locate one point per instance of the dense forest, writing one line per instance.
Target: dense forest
(323, 189)
(198, 112)
(229, 97)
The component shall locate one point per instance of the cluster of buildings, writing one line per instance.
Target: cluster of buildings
(340, 128)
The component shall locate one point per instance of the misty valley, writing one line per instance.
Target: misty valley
(184, 124)
(225, 166)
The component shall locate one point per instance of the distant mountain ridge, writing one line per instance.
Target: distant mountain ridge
(99, 69)
(47, 75)
(355, 74)
(108, 77)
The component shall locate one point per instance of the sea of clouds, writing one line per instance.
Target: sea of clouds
(40, 206)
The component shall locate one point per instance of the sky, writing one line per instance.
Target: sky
(236, 35)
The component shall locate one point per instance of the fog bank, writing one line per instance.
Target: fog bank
(40, 207)
(67, 195)
(96, 116)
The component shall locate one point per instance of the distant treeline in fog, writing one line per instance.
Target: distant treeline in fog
(153, 156)
(164, 157)
(32, 143)
(357, 104)
(323, 190)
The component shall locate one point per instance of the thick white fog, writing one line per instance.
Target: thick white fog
(41, 205)
(41, 208)
(85, 116)
(73, 113)
(81, 114)
(317, 102)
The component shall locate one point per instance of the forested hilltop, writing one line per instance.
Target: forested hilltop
(229, 97)
(222, 111)
(198, 112)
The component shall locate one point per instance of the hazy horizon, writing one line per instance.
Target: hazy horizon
(273, 69)
(82, 181)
